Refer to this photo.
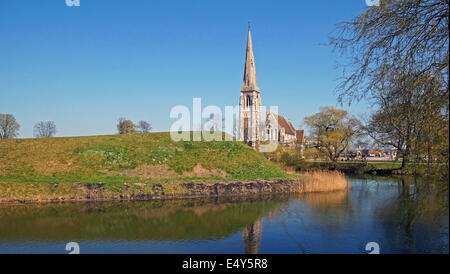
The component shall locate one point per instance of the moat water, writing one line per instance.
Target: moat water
(399, 216)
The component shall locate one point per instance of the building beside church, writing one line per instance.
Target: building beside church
(253, 128)
(279, 129)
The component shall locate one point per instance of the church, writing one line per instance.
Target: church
(254, 126)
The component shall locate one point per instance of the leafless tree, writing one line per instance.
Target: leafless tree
(9, 128)
(44, 129)
(394, 36)
(144, 126)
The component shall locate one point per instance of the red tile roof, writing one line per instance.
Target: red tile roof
(283, 123)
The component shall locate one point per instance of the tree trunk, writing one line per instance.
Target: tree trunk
(406, 152)
(405, 159)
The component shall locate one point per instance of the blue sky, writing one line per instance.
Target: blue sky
(84, 67)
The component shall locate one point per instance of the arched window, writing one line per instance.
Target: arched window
(249, 101)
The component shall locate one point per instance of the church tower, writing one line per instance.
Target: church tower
(250, 101)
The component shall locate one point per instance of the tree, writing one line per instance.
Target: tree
(125, 126)
(397, 34)
(144, 126)
(9, 128)
(398, 56)
(331, 131)
(413, 111)
(44, 129)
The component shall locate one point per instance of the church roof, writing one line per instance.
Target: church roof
(283, 123)
(249, 83)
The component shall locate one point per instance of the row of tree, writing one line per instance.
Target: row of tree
(125, 126)
(9, 128)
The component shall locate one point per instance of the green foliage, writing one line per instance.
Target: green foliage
(331, 131)
(286, 156)
(126, 126)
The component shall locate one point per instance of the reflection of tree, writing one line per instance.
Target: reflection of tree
(251, 237)
(417, 204)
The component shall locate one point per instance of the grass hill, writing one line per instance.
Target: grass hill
(147, 157)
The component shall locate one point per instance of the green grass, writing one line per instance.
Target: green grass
(107, 158)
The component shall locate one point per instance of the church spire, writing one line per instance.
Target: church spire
(249, 83)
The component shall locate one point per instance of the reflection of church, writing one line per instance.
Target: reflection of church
(251, 237)
(253, 128)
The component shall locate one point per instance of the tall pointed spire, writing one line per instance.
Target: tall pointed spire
(249, 83)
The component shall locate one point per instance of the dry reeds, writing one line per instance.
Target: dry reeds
(319, 181)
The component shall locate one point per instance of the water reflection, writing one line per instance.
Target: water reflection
(251, 236)
(408, 216)
(402, 216)
(417, 214)
(163, 220)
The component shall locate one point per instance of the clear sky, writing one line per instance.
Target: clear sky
(84, 67)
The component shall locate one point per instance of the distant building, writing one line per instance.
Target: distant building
(387, 154)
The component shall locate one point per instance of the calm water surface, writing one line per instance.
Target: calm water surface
(402, 217)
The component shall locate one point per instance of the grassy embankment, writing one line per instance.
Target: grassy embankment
(54, 167)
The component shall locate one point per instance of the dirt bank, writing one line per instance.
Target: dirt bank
(59, 192)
